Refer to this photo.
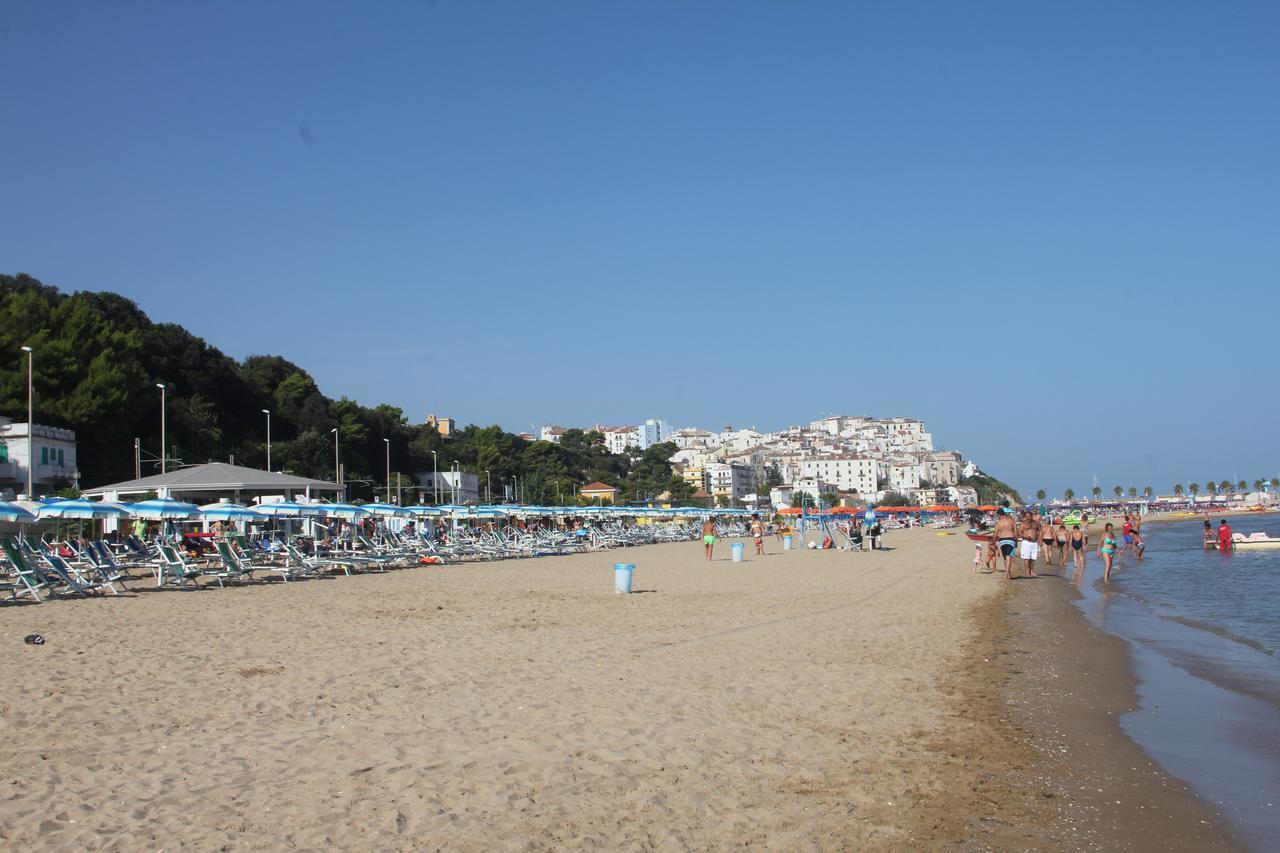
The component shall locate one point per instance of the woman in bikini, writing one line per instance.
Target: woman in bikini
(1107, 550)
(1061, 531)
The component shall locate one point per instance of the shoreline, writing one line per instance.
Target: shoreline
(1075, 684)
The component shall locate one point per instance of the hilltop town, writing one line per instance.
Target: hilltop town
(840, 457)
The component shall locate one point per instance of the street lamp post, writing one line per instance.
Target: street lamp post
(31, 438)
(163, 453)
(488, 487)
(457, 481)
(387, 441)
(435, 475)
(337, 469)
(267, 412)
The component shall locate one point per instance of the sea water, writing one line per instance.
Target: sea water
(1203, 628)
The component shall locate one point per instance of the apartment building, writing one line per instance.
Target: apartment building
(848, 473)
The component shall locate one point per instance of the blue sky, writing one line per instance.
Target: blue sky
(1051, 232)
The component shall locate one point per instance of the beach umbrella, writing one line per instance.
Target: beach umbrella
(423, 509)
(228, 512)
(384, 509)
(291, 509)
(163, 508)
(13, 512)
(82, 508)
(347, 511)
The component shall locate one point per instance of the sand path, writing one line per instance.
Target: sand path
(792, 700)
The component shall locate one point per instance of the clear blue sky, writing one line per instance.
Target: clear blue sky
(1056, 229)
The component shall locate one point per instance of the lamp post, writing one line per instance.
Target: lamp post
(435, 475)
(163, 454)
(267, 412)
(488, 487)
(457, 481)
(337, 469)
(31, 438)
(387, 441)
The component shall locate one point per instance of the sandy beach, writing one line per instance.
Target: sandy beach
(803, 700)
(795, 700)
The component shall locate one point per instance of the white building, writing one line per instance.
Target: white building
(904, 478)
(733, 481)
(54, 461)
(618, 439)
(848, 473)
(551, 433)
(457, 487)
(814, 487)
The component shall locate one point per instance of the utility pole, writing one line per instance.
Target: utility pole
(164, 452)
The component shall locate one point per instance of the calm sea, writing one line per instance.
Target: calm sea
(1204, 631)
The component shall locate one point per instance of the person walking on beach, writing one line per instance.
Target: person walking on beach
(1029, 533)
(757, 533)
(1061, 535)
(1208, 534)
(1224, 536)
(1006, 539)
(709, 536)
(1078, 542)
(1107, 550)
(1046, 538)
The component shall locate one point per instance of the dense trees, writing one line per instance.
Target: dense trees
(97, 359)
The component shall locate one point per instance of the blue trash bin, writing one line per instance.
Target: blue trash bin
(622, 573)
(786, 543)
(737, 548)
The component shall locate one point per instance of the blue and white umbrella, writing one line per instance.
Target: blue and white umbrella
(81, 508)
(348, 511)
(229, 512)
(384, 509)
(163, 508)
(10, 512)
(291, 509)
(423, 509)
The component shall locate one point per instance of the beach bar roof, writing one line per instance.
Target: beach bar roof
(214, 478)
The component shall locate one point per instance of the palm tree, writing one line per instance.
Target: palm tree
(1211, 487)
(1194, 489)
(1097, 492)
(1275, 484)
(1119, 492)
(1242, 485)
(1069, 494)
(1177, 489)
(1133, 491)
(1257, 485)
(1040, 494)
(1224, 486)
(1147, 491)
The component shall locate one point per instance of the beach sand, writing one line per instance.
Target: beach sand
(797, 700)
(805, 700)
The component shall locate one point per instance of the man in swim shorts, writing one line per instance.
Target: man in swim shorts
(1029, 533)
(1005, 539)
(709, 536)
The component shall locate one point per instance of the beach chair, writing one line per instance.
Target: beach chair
(174, 565)
(243, 567)
(26, 581)
(27, 564)
(314, 564)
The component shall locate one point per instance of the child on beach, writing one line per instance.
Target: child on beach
(977, 557)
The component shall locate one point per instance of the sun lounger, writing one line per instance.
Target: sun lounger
(26, 581)
(234, 562)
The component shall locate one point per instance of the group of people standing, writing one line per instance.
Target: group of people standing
(1033, 537)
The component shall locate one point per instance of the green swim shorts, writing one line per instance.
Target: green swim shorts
(708, 539)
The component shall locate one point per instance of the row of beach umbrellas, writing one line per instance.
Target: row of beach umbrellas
(166, 509)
